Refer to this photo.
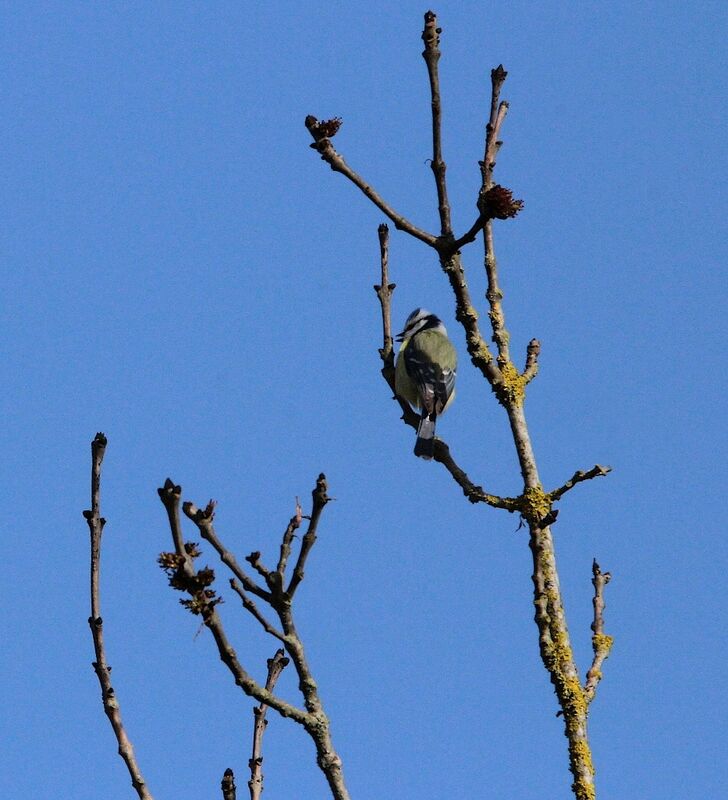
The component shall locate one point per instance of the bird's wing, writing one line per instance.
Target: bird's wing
(434, 383)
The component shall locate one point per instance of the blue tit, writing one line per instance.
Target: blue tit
(425, 373)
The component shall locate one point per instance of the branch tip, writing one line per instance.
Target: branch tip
(597, 471)
(601, 642)
(227, 785)
(322, 129)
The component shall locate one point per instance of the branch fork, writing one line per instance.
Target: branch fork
(278, 594)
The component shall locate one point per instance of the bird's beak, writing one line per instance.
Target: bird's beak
(399, 337)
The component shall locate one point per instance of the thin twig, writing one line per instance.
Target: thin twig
(498, 113)
(471, 235)
(276, 665)
(227, 785)
(494, 294)
(532, 352)
(254, 560)
(596, 471)
(320, 498)
(103, 671)
(203, 520)
(293, 525)
(250, 606)
(384, 291)
(327, 152)
(601, 642)
(431, 54)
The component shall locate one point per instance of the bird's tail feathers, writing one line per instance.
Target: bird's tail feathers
(425, 444)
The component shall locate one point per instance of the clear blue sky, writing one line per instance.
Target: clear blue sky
(182, 272)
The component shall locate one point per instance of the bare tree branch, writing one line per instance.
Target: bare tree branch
(509, 384)
(254, 560)
(250, 606)
(179, 566)
(431, 54)
(384, 291)
(601, 642)
(596, 471)
(204, 600)
(322, 144)
(470, 235)
(532, 352)
(103, 671)
(293, 525)
(498, 113)
(320, 498)
(276, 665)
(467, 316)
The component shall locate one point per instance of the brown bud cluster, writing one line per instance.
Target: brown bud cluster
(498, 203)
(193, 549)
(202, 603)
(169, 561)
(324, 128)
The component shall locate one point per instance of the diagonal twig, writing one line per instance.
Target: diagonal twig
(320, 498)
(276, 665)
(250, 606)
(596, 471)
(254, 560)
(103, 671)
(203, 519)
(470, 235)
(322, 144)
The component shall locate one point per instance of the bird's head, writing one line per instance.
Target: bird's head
(420, 320)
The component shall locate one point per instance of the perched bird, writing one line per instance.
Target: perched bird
(425, 373)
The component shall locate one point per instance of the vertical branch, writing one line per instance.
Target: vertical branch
(498, 113)
(276, 665)
(558, 658)
(601, 642)
(431, 54)
(494, 295)
(384, 291)
(293, 526)
(103, 671)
